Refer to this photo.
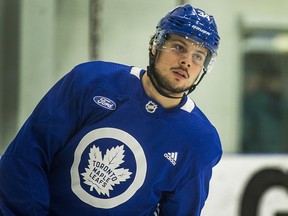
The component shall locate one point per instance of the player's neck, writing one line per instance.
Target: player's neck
(154, 94)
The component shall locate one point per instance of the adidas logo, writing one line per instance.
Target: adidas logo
(172, 157)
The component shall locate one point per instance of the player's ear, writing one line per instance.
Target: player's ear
(153, 50)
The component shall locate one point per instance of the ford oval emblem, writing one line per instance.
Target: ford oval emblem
(105, 102)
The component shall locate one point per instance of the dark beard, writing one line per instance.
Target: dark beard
(166, 85)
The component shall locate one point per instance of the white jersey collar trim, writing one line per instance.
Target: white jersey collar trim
(136, 72)
(189, 105)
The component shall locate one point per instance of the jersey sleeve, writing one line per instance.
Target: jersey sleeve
(190, 199)
(24, 166)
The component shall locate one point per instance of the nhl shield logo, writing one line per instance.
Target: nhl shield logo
(151, 107)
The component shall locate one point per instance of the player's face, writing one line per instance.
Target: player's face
(178, 63)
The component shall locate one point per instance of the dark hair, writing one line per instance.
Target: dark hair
(151, 44)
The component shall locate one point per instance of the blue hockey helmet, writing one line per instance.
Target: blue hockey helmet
(191, 23)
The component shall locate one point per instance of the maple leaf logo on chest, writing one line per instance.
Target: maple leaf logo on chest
(103, 174)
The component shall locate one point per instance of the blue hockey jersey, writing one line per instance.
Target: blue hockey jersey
(96, 144)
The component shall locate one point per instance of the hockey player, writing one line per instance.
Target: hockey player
(111, 139)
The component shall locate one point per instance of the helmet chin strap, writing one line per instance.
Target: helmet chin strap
(192, 88)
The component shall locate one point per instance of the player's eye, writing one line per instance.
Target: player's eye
(179, 48)
(198, 58)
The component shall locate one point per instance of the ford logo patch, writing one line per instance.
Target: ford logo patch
(105, 102)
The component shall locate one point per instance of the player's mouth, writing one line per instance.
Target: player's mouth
(180, 73)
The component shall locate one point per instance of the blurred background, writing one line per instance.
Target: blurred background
(245, 96)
